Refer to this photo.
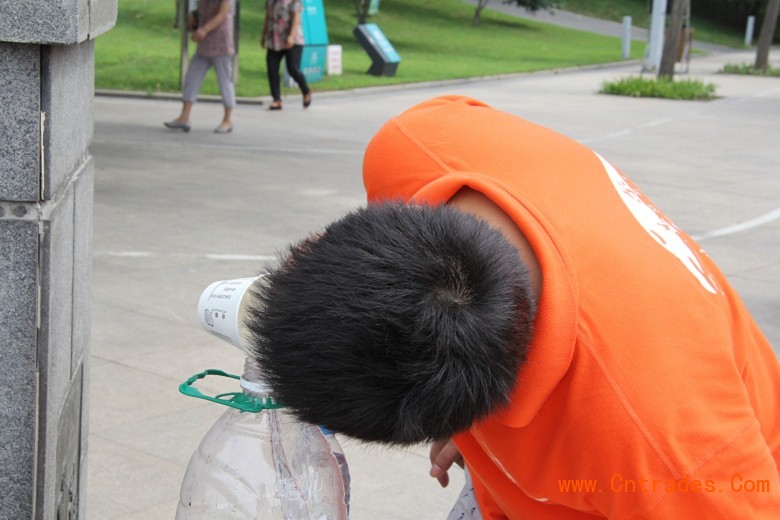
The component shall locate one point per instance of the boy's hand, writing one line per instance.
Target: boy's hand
(443, 454)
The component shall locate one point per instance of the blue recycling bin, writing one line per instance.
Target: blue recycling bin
(313, 62)
(384, 58)
(315, 35)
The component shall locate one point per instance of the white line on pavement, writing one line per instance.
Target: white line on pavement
(207, 256)
(742, 226)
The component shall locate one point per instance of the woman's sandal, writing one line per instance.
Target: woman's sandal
(276, 105)
(176, 125)
(307, 100)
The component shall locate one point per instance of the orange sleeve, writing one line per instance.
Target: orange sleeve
(487, 506)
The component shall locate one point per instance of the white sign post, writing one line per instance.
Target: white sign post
(655, 46)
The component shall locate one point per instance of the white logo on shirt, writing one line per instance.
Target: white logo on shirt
(659, 227)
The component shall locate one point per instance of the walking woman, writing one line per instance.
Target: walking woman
(283, 38)
(212, 29)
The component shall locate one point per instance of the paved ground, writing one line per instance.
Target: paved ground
(174, 212)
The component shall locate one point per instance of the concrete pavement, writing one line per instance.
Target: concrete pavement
(174, 212)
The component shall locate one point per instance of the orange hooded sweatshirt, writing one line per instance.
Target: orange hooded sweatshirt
(649, 391)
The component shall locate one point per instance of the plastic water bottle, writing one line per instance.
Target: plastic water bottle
(341, 460)
(262, 465)
(241, 442)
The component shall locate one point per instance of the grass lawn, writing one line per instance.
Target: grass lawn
(434, 38)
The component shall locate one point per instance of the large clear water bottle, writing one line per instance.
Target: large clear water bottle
(262, 464)
(341, 460)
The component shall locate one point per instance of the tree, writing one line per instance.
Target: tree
(767, 34)
(673, 37)
(530, 5)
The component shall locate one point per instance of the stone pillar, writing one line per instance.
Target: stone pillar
(46, 176)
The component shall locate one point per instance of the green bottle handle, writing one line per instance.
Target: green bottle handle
(239, 400)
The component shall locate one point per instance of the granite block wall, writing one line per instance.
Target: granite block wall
(46, 179)
(20, 78)
(55, 21)
(18, 384)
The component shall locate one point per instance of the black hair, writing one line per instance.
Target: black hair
(398, 324)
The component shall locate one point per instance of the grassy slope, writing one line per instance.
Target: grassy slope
(435, 39)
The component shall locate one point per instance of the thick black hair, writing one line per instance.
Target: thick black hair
(398, 324)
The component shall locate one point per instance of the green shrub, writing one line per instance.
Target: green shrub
(640, 86)
(749, 70)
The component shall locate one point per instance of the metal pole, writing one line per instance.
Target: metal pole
(655, 47)
(751, 24)
(236, 38)
(184, 61)
(626, 37)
